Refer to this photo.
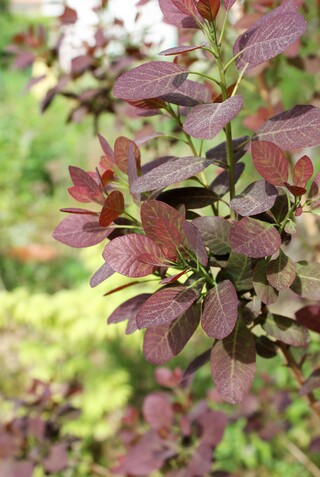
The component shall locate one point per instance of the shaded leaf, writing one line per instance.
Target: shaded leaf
(164, 342)
(206, 120)
(213, 424)
(105, 146)
(169, 173)
(266, 348)
(178, 50)
(240, 270)
(81, 194)
(82, 179)
(307, 282)
(149, 80)
(176, 17)
(104, 272)
(281, 272)
(314, 193)
(145, 456)
(215, 233)
(128, 311)
(270, 162)
(219, 153)
(233, 364)
(302, 171)
(173, 278)
(195, 242)
(122, 254)
(112, 208)
(296, 191)
(280, 208)
(57, 459)
(197, 363)
(121, 152)
(164, 306)
(220, 310)
(190, 197)
(189, 94)
(311, 383)
(221, 185)
(80, 231)
(294, 129)
(254, 238)
(309, 316)
(286, 330)
(265, 292)
(258, 197)
(157, 411)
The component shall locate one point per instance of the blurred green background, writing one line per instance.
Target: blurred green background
(53, 325)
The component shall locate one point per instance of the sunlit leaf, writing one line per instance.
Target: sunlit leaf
(128, 311)
(157, 411)
(264, 290)
(307, 282)
(302, 171)
(104, 272)
(281, 272)
(258, 197)
(121, 151)
(189, 94)
(80, 231)
(112, 208)
(270, 162)
(208, 9)
(176, 17)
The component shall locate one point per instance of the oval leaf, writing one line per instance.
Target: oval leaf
(220, 155)
(189, 94)
(309, 316)
(258, 197)
(307, 282)
(265, 292)
(174, 16)
(128, 311)
(164, 306)
(149, 80)
(240, 271)
(206, 120)
(215, 233)
(121, 152)
(113, 207)
(254, 238)
(286, 330)
(281, 272)
(195, 242)
(233, 364)
(80, 231)
(164, 342)
(270, 162)
(302, 171)
(220, 310)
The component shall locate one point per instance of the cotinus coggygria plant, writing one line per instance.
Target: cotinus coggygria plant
(218, 254)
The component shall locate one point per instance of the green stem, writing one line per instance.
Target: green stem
(290, 213)
(227, 66)
(205, 76)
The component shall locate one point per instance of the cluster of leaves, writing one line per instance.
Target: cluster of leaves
(32, 436)
(99, 67)
(218, 270)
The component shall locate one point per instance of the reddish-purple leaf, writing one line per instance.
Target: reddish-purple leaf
(163, 224)
(195, 242)
(73, 210)
(23, 60)
(121, 152)
(228, 4)
(155, 163)
(258, 197)
(68, 16)
(240, 271)
(302, 172)
(16, 468)
(254, 238)
(208, 9)
(186, 6)
(220, 310)
(189, 94)
(265, 292)
(206, 120)
(190, 197)
(311, 383)
(175, 16)
(146, 456)
(296, 191)
(169, 173)
(307, 282)
(128, 311)
(150, 80)
(104, 272)
(309, 316)
(281, 272)
(270, 162)
(164, 306)
(81, 194)
(179, 50)
(221, 184)
(294, 129)
(162, 343)
(80, 231)
(122, 254)
(105, 146)
(220, 155)
(157, 411)
(57, 459)
(269, 36)
(215, 233)
(197, 363)
(314, 194)
(233, 364)
(82, 179)
(213, 424)
(112, 208)
(173, 278)
(286, 330)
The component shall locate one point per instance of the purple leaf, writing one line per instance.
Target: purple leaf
(233, 364)
(128, 311)
(294, 129)
(270, 162)
(164, 342)
(155, 163)
(258, 197)
(169, 173)
(197, 363)
(208, 9)
(254, 238)
(165, 305)
(176, 17)
(190, 197)
(220, 310)
(112, 208)
(228, 4)
(173, 278)
(201, 460)
(105, 146)
(265, 292)
(81, 194)
(314, 194)
(266, 348)
(122, 254)
(82, 179)
(213, 424)
(195, 242)
(150, 80)
(104, 272)
(80, 231)
(286, 330)
(17, 468)
(311, 383)
(219, 153)
(206, 120)
(307, 282)
(121, 152)
(221, 185)
(240, 271)
(189, 94)
(178, 50)
(214, 232)
(144, 457)
(281, 272)
(309, 316)
(57, 459)
(269, 36)
(302, 171)
(157, 411)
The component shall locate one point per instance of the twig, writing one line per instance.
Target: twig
(302, 458)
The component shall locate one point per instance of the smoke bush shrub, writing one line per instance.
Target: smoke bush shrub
(217, 253)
